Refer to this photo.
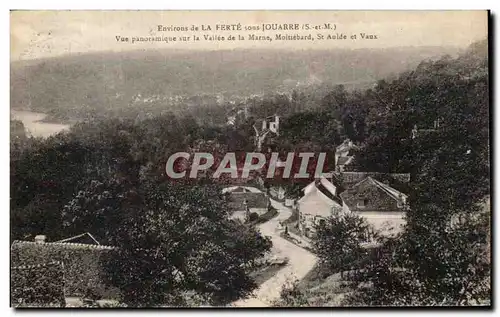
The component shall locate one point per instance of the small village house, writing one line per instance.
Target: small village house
(318, 200)
(416, 132)
(267, 125)
(370, 195)
(380, 204)
(244, 200)
(344, 155)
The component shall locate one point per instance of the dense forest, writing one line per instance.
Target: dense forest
(107, 177)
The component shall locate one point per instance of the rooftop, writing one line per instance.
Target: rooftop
(348, 179)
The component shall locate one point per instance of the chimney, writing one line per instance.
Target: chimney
(402, 200)
(264, 125)
(414, 132)
(436, 124)
(40, 238)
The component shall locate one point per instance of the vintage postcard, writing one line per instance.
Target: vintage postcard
(249, 159)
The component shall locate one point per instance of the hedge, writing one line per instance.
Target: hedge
(38, 285)
(83, 265)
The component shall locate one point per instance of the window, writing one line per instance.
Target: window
(362, 202)
(367, 236)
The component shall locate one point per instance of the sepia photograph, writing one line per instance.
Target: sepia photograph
(236, 159)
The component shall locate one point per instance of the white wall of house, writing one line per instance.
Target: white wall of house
(316, 205)
(241, 214)
(345, 208)
(387, 223)
(308, 223)
(313, 207)
(289, 202)
(390, 222)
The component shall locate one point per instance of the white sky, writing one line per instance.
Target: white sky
(37, 34)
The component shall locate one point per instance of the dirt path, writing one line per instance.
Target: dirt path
(300, 262)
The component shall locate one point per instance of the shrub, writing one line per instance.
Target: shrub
(338, 241)
(253, 217)
(291, 296)
(83, 265)
(267, 216)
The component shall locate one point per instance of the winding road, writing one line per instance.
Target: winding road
(300, 262)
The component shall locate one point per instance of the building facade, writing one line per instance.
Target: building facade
(318, 200)
(370, 195)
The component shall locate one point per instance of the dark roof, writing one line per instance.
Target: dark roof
(343, 160)
(237, 200)
(82, 262)
(328, 193)
(351, 196)
(239, 190)
(336, 181)
(348, 179)
(346, 146)
(394, 193)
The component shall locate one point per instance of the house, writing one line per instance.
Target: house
(267, 125)
(344, 155)
(237, 114)
(416, 132)
(348, 179)
(82, 265)
(380, 204)
(231, 120)
(271, 123)
(319, 199)
(244, 200)
(378, 197)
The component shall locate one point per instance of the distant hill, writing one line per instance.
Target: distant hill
(113, 80)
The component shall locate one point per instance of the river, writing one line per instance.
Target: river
(34, 126)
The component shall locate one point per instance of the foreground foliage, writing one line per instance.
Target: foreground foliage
(170, 238)
(443, 256)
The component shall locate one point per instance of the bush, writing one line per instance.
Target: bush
(83, 265)
(267, 216)
(253, 217)
(291, 296)
(338, 241)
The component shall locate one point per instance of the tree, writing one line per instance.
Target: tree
(442, 258)
(336, 100)
(43, 178)
(170, 240)
(338, 240)
(108, 178)
(429, 267)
